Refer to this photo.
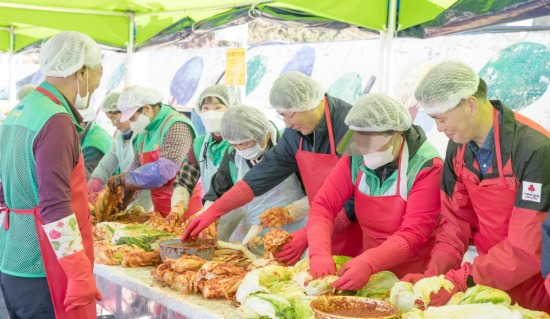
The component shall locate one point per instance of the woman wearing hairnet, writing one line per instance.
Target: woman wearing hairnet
(163, 139)
(207, 152)
(120, 156)
(394, 174)
(251, 134)
(46, 241)
(314, 125)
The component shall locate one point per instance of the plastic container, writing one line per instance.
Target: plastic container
(350, 307)
(174, 248)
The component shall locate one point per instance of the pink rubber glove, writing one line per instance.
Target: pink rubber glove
(413, 278)
(441, 262)
(458, 278)
(321, 266)
(81, 289)
(293, 250)
(94, 185)
(355, 274)
(239, 195)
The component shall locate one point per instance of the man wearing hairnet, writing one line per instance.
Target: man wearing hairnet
(120, 155)
(46, 248)
(163, 139)
(251, 135)
(95, 141)
(393, 172)
(315, 123)
(205, 157)
(24, 91)
(495, 189)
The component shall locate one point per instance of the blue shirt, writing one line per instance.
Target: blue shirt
(484, 154)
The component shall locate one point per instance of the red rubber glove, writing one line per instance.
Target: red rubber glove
(293, 250)
(355, 274)
(81, 289)
(458, 278)
(94, 185)
(239, 195)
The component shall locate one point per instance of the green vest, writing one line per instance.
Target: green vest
(152, 138)
(97, 137)
(216, 151)
(425, 153)
(19, 250)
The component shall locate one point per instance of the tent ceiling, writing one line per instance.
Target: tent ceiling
(108, 21)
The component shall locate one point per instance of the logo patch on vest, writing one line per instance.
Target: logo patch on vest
(531, 191)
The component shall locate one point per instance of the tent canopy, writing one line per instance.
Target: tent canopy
(108, 22)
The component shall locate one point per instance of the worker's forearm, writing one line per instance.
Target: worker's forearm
(152, 175)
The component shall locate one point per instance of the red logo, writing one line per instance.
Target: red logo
(531, 188)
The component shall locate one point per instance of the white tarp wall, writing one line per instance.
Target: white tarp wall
(518, 65)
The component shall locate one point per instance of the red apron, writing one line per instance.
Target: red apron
(493, 201)
(381, 216)
(57, 280)
(314, 169)
(161, 196)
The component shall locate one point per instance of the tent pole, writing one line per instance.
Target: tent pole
(390, 35)
(381, 63)
(129, 51)
(11, 82)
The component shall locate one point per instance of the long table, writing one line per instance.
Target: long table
(130, 293)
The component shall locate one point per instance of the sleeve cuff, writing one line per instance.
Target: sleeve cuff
(64, 236)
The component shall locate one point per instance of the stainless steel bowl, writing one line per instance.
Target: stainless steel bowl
(325, 307)
(174, 248)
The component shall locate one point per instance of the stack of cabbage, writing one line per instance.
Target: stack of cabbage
(285, 292)
(477, 302)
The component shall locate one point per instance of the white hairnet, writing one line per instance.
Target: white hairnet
(243, 123)
(295, 92)
(375, 112)
(24, 91)
(445, 85)
(221, 91)
(135, 97)
(109, 103)
(66, 52)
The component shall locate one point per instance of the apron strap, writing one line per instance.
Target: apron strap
(329, 128)
(497, 147)
(460, 160)
(160, 132)
(398, 188)
(48, 94)
(17, 211)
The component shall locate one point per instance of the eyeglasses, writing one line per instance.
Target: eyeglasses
(284, 117)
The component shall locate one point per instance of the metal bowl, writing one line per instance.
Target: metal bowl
(327, 307)
(174, 248)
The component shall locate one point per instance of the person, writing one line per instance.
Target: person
(494, 191)
(163, 139)
(24, 91)
(95, 141)
(251, 134)
(393, 173)
(46, 242)
(314, 124)
(205, 156)
(120, 155)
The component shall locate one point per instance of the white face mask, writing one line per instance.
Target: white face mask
(251, 153)
(139, 125)
(378, 159)
(81, 103)
(212, 121)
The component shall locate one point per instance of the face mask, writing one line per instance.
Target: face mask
(378, 159)
(81, 103)
(251, 153)
(139, 125)
(212, 121)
